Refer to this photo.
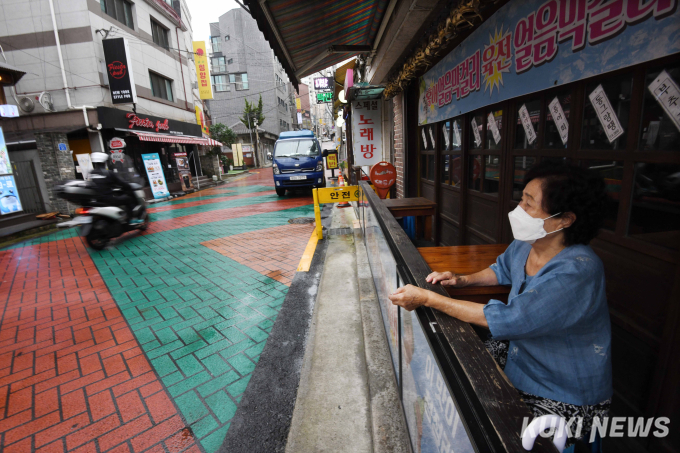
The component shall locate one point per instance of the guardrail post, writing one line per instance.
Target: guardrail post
(317, 215)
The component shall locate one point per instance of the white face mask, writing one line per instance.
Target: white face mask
(526, 228)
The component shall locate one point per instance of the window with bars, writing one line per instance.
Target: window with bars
(121, 10)
(240, 80)
(159, 34)
(220, 83)
(161, 87)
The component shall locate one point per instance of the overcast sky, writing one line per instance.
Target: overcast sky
(205, 11)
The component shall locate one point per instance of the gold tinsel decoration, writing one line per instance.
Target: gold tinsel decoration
(461, 18)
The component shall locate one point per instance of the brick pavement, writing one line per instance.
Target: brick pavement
(147, 346)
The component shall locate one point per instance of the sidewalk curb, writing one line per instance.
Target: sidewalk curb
(263, 418)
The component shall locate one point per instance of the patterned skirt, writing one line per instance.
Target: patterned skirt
(545, 406)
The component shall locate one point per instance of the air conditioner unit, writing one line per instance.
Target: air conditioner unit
(45, 99)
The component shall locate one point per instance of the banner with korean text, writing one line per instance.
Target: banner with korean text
(202, 70)
(533, 45)
(367, 132)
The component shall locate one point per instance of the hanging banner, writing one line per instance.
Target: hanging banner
(202, 70)
(119, 70)
(367, 132)
(5, 164)
(200, 120)
(9, 197)
(530, 46)
(154, 171)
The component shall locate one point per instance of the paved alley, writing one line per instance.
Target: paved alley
(149, 345)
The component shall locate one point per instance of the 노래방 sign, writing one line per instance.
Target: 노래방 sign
(530, 46)
(367, 132)
(121, 80)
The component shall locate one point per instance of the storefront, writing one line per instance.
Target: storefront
(175, 142)
(553, 81)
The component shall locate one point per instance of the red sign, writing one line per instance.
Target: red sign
(146, 122)
(180, 154)
(116, 143)
(383, 176)
(117, 70)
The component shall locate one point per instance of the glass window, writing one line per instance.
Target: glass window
(476, 124)
(655, 210)
(159, 34)
(492, 174)
(522, 165)
(532, 110)
(219, 64)
(216, 43)
(240, 80)
(128, 15)
(423, 166)
(658, 131)
(557, 126)
(121, 10)
(493, 129)
(160, 86)
(230, 61)
(226, 38)
(220, 82)
(430, 167)
(456, 171)
(457, 135)
(446, 164)
(612, 172)
(475, 173)
(446, 136)
(617, 90)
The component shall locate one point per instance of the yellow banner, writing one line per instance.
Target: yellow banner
(200, 120)
(202, 70)
(338, 194)
(332, 161)
(298, 104)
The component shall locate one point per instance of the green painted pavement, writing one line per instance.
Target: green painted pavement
(201, 318)
(191, 210)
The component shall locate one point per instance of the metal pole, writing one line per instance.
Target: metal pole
(198, 182)
(250, 131)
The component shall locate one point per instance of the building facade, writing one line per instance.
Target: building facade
(243, 67)
(66, 89)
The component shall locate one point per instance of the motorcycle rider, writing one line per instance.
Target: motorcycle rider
(107, 181)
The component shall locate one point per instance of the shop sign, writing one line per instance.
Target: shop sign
(666, 93)
(118, 67)
(182, 162)
(136, 121)
(5, 164)
(383, 176)
(367, 132)
(117, 155)
(117, 143)
(323, 84)
(332, 161)
(154, 171)
(180, 154)
(560, 119)
(535, 45)
(606, 114)
(324, 98)
(202, 70)
(200, 120)
(9, 111)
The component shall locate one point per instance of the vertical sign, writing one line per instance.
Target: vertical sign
(666, 93)
(605, 113)
(154, 171)
(202, 70)
(491, 122)
(200, 120)
(367, 132)
(526, 123)
(559, 119)
(119, 69)
(9, 196)
(475, 130)
(323, 84)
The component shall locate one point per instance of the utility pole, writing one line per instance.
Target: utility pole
(250, 131)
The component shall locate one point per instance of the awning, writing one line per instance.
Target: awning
(310, 36)
(15, 72)
(181, 139)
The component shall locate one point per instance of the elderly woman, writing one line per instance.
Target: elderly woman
(554, 331)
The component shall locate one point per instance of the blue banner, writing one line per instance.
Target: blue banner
(528, 46)
(154, 170)
(9, 197)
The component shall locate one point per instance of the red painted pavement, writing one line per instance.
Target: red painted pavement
(188, 204)
(72, 375)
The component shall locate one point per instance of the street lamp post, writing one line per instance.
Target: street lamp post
(250, 131)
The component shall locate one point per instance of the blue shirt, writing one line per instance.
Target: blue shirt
(558, 325)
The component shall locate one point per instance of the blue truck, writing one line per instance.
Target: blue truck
(298, 162)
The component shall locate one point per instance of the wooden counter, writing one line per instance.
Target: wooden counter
(417, 207)
(467, 259)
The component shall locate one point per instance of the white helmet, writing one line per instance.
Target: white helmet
(99, 158)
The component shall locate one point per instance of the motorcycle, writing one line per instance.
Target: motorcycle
(100, 222)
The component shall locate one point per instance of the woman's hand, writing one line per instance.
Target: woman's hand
(410, 297)
(447, 279)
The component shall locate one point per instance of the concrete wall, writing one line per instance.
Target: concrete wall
(250, 53)
(56, 166)
(27, 37)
